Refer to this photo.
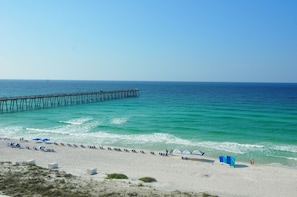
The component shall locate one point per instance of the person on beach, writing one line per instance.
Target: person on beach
(252, 161)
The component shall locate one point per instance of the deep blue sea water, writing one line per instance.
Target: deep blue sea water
(245, 120)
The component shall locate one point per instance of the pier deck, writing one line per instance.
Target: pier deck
(25, 103)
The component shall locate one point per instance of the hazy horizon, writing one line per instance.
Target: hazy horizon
(196, 41)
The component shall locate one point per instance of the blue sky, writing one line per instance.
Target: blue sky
(231, 40)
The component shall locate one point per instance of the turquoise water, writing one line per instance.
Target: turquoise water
(245, 120)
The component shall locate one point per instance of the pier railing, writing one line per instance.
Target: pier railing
(24, 103)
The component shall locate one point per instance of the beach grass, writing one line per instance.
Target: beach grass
(116, 176)
(30, 180)
(21, 179)
(147, 179)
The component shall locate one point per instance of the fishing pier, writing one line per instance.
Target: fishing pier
(25, 103)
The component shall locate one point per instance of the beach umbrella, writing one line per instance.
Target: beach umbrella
(41, 147)
(45, 139)
(9, 144)
(176, 152)
(186, 152)
(36, 139)
(197, 152)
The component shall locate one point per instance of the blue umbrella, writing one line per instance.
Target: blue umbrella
(41, 147)
(45, 139)
(36, 139)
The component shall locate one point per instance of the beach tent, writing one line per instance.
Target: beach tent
(197, 152)
(227, 160)
(186, 152)
(223, 159)
(232, 161)
(176, 152)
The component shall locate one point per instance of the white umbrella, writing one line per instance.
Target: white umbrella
(197, 152)
(176, 152)
(186, 152)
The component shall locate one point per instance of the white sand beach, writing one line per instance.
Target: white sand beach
(171, 172)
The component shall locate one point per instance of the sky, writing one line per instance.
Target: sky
(149, 40)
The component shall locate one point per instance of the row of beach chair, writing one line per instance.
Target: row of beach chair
(109, 148)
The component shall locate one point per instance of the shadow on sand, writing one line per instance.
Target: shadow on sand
(241, 166)
(197, 159)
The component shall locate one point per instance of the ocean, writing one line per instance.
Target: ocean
(245, 120)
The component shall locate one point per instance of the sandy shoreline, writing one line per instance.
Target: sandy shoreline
(172, 173)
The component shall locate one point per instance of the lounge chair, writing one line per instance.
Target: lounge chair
(117, 149)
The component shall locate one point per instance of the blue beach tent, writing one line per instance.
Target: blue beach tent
(232, 161)
(227, 160)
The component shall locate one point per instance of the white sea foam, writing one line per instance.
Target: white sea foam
(283, 157)
(231, 146)
(292, 158)
(13, 131)
(286, 148)
(105, 137)
(36, 131)
(77, 121)
(118, 121)
(69, 130)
